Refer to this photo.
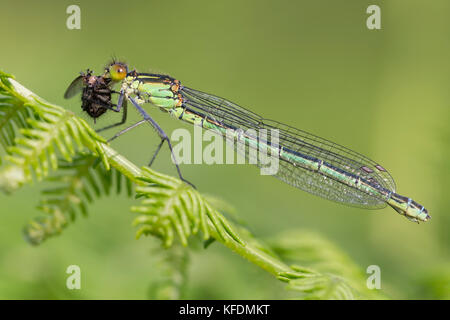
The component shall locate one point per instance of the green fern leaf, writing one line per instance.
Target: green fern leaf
(53, 132)
(74, 187)
(170, 207)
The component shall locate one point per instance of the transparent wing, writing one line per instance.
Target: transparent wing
(233, 116)
(338, 157)
(75, 87)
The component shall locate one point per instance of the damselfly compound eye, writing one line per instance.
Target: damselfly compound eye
(118, 71)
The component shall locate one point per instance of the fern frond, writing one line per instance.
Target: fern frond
(171, 283)
(171, 207)
(54, 131)
(336, 276)
(13, 115)
(315, 285)
(77, 184)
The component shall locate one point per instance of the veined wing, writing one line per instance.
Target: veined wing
(233, 116)
(75, 87)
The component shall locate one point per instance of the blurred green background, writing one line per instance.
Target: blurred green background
(311, 64)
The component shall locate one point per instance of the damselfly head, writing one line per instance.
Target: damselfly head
(117, 71)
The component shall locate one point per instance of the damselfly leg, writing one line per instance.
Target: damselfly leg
(163, 137)
(118, 134)
(121, 103)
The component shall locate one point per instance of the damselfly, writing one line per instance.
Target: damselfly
(308, 162)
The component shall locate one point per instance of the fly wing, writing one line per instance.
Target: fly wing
(75, 87)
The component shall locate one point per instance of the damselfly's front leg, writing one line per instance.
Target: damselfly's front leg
(121, 102)
(163, 137)
(118, 134)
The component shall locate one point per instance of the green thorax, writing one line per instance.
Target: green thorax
(159, 90)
